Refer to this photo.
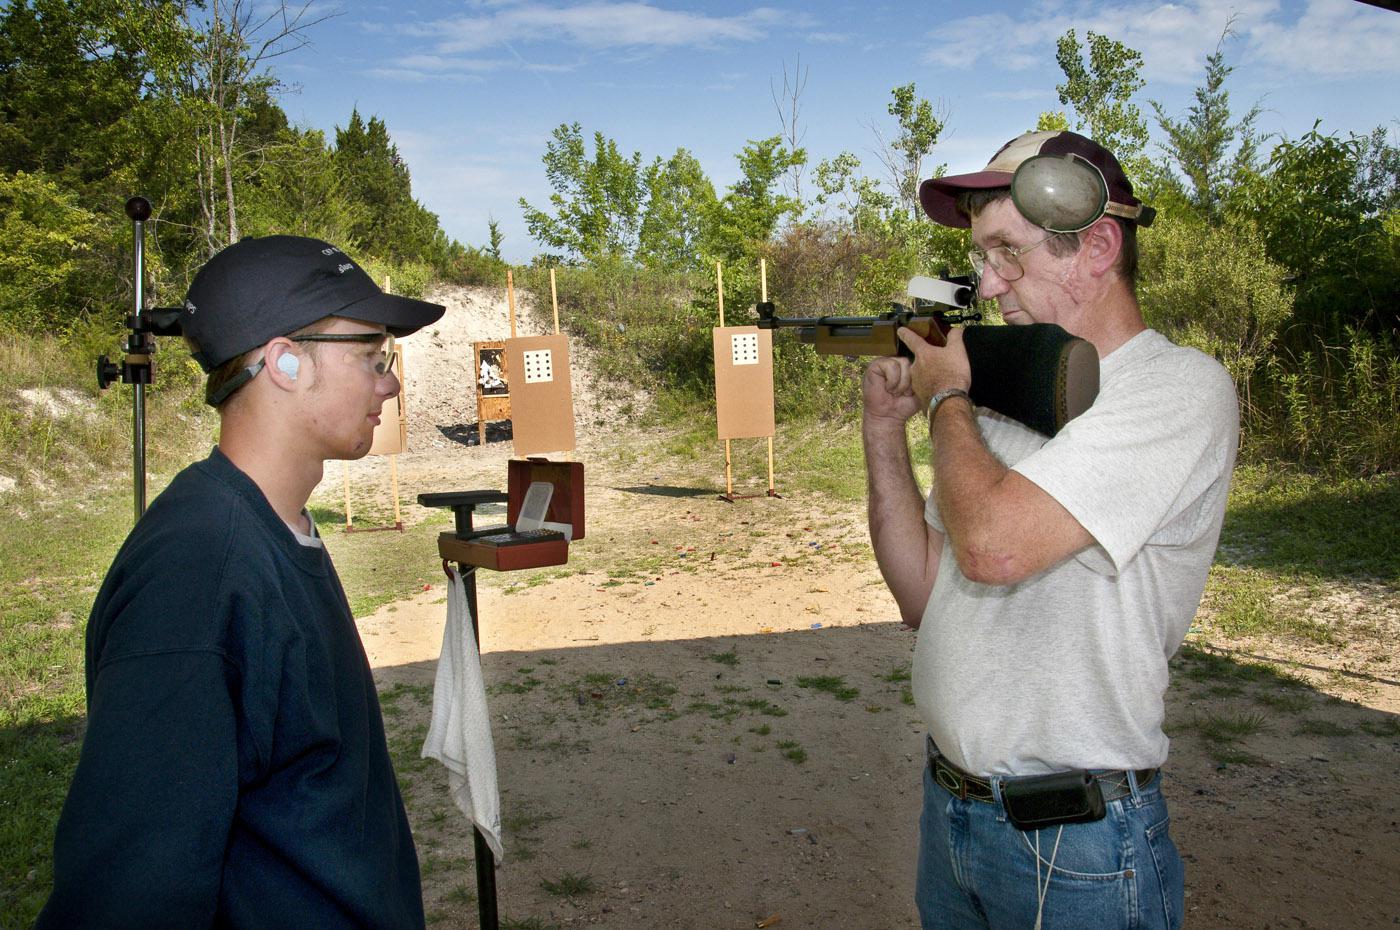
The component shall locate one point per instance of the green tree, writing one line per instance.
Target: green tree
(1379, 172)
(919, 129)
(1320, 222)
(597, 201)
(751, 211)
(298, 189)
(495, 238)
(70, 80)
(859, 197)
(1212, 152)
(46, 248)
(680, 203)
(222, 82)
(1100, 89)
(392, 224)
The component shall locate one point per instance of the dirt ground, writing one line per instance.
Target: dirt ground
(703, 722)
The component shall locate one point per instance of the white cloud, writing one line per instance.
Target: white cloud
(444, 63)
(420, 75)
(1010, 43)
(1332, 40)
(425, 67)
(598, 25)
(1326, 39)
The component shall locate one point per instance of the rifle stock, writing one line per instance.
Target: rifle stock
(1036, 374)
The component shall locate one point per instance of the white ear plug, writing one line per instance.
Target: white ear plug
(289, 365)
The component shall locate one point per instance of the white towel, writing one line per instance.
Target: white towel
(459, 735)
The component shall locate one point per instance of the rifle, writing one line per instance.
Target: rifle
(1037, 374)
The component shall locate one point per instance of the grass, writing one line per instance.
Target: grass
(1224, 732)
(526, 923)
(48, 578)
(1288, 541)
(834, 685)
(603, 694)
(1321, 728)
(901, 674)
(569, 885)
(383, 567)
(792, 751)
(1297, 524)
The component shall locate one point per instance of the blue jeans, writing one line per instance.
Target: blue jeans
(978, 871)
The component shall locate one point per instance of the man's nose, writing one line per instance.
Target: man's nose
(389, 384)
(990, 283)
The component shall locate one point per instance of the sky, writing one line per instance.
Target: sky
(471, 90)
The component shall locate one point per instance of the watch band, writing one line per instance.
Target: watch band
(941, 396)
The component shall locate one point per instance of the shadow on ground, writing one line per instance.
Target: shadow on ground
(660, 490)
(469, 434)
(714, 783)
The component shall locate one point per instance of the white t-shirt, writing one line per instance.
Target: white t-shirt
(1068, 668)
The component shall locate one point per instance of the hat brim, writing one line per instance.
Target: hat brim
(401, 316)
(939, 196)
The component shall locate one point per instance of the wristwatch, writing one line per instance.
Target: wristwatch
(941, 396)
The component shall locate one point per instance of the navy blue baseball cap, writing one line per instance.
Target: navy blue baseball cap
(260, 288)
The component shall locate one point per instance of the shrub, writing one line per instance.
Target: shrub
(1213, 287)
(46, 254)
(1333, 407)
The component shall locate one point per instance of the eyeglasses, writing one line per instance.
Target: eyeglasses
(1005, 260)
(380, 361)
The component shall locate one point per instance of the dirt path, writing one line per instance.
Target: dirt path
(703, 723)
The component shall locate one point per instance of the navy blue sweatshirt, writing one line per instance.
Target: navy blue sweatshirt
(234, 772)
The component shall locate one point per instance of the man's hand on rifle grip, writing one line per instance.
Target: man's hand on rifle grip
(887, 392)
(937, 368)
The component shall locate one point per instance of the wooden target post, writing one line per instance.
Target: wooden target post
(743, 385)
(390, 438)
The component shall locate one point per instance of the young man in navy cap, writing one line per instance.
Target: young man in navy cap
(1050, 580)
(234, 771)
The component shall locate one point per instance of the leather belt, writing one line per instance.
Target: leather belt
(965, 786)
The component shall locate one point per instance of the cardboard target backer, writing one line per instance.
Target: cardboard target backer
(391, 435)
(744, 381)
(541, 394)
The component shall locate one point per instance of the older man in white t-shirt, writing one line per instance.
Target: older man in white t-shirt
(1051, 578)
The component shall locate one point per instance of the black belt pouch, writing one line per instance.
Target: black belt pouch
(1039, 801)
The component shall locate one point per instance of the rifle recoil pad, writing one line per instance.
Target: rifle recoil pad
(1037, 373)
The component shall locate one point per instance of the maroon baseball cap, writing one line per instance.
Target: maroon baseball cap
(939, 196)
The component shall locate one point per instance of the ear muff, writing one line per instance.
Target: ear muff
(1060, 193)
(289, 365)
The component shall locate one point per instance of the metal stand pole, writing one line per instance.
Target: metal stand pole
(139, 211)
(485, 859)
(135, 368)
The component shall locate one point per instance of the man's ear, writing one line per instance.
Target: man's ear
(284, 366)
(1100, 246)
